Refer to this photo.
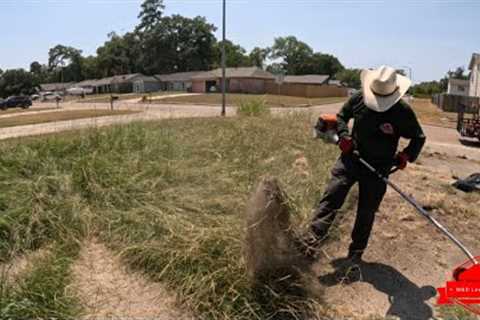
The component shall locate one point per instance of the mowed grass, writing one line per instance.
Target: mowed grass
(168, 196)
(105, 98)
(272, 101)
(430, 114)
(46, 117)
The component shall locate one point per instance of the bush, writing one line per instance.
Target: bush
(253, 107)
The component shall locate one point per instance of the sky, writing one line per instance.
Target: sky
(429, 37)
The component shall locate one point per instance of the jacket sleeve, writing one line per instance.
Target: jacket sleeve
(412, 130)
(344, 116)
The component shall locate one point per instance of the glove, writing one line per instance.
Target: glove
(401, 160)
(346, 145)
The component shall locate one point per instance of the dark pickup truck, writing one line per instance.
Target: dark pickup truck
(15, 102)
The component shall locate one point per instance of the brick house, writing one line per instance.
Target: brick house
(239, 80)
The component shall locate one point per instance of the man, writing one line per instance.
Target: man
(380, 117)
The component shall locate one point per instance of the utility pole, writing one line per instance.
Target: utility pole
(224, 60)
(410, 71)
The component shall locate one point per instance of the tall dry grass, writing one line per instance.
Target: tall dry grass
(169, 196)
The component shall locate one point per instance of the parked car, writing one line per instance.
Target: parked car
(15, 102)
(50, 96)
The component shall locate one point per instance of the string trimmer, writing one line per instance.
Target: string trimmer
(326, 129)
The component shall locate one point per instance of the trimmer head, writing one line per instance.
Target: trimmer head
(468, 271)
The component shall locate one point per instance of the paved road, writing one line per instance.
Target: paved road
(440, 139)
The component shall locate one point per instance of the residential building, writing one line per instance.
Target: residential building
(458, 87)
(238, 80)
(145, 84)
(180, 81)
(56, 87)
(310, 86)
(474, 75)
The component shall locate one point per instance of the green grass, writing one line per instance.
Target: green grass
(169, 196)
(272, 101)
(42, 293)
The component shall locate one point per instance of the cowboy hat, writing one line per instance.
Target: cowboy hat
(383, 88)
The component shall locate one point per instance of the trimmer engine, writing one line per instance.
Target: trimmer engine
(326, 129)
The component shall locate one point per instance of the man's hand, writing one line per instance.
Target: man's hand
(346, 145)
(401, 160)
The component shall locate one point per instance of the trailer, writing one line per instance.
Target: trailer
(468, 123)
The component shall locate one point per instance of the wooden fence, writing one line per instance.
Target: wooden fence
(305, 90)
(453, 103)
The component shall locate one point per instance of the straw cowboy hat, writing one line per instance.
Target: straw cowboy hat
(383, 88)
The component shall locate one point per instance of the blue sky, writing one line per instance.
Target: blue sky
(429, 36)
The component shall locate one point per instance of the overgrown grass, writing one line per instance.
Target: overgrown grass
(42, 292)
(254, 107)
(169, 196)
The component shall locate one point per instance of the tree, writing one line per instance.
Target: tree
(427, 89)
(458, 73)
(16, 82)
(118, 55)
(350, 77)
(292, 53)
(150, 15)
(235, 55)
(90, 68)
(35, 67)
(178, 44)
(320, 63)
(66, 63)
(258, 56)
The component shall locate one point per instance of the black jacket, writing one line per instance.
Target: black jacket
(376, 134)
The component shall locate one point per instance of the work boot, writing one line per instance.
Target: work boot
(355, 257)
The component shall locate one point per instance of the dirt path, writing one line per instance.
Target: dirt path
(108, 291)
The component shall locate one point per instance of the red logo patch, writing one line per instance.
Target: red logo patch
(465, 290)
(387, 128)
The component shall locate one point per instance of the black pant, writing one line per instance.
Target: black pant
(346, 172)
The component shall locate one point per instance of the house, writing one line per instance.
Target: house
(145, 84)
(309, 86)
(56, 87)
(458, 87)
(238, 80)
(180, 81)
(474, 87)
(126, 83)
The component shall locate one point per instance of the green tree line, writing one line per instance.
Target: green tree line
(166, 44)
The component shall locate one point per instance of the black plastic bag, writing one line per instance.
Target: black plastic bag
(470, 184)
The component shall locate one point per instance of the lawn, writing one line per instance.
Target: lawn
(20, 110)
(105, 98)
(237, 99)
(168, 197)
(430, 114)
(45, 117)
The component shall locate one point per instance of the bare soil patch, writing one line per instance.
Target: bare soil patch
(108, 290)
(430, 114)
(46, 117)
